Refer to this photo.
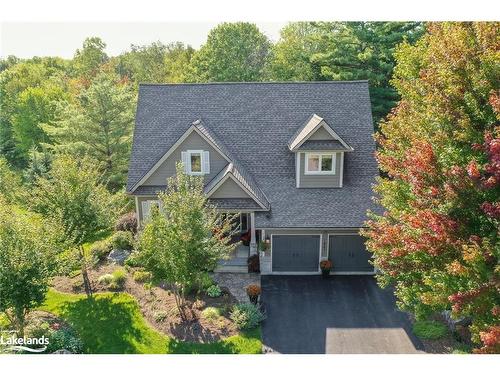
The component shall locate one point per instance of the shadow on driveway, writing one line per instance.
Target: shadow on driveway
(342, 314)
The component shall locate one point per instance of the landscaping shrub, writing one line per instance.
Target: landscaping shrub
(246, 315)
(119, 277)
(429, 329)
(105, 279)
(214, 291)
(100, 250)
(122, 240)
(133, 261)
(65, 338)
(253, 263)
(205, 282)
(142, 276)
(127, 223)
(211, 313)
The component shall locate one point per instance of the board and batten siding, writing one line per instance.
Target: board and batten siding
(193, 142)
(320, 181)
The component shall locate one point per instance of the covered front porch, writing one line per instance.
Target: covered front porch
(246, 245)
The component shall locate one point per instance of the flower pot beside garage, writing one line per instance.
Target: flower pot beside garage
(326, 267)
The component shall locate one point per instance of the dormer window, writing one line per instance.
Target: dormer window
(196, 162)
(320, 163)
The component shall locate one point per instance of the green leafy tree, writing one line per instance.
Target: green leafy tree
(234, 52)
(155, 63)
(35, 106)
(74, 197)
(10, 182)
(182, 242)
(18, 80)
(437, 241)
(292, 54)
(88, 60)
(27, 260)
(99, 124)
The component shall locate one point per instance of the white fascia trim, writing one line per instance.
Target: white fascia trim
(297, 170)
(172, 149)
(224, 179)
(323, 124)
(341, 180)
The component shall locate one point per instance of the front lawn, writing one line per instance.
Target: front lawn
(113, 323)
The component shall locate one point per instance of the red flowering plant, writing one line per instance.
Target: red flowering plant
(439, 150)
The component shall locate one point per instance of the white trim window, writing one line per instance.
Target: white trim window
(320, 163)
(196, 162)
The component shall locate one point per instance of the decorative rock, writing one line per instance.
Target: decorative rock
(454, 324)
(118, 256)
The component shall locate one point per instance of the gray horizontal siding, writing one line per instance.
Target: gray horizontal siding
(193, 142)
(320, 135)
(319, 181)
(229, 189)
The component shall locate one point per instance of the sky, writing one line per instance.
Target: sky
(26, 40)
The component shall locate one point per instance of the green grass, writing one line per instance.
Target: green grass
(113, 323)
(429, 330)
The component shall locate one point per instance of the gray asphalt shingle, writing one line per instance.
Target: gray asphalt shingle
(255, 121)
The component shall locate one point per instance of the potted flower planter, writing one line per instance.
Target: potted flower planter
(253, 292)
(326, 267)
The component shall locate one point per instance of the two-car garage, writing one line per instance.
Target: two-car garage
(301, 253)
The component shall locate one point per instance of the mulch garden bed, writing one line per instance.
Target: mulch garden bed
(159, 308)
(444, 345)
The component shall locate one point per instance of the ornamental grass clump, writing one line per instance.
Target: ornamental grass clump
(246, 315)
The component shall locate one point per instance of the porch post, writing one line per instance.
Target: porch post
(253, 242)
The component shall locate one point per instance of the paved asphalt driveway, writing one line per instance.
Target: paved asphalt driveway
(343, 314)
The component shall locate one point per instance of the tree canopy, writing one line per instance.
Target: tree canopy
(74, 197)
(100, 124)
(440, 153)
(344, 51)
(234, 52)
(28, 251)
(179, 244)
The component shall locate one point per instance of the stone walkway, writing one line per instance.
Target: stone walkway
(237, 283)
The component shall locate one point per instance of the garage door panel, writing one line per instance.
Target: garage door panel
(295, 253)
(348, 254)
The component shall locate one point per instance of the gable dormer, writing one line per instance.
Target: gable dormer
(319, 155)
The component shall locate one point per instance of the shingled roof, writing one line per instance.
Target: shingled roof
(255, 122)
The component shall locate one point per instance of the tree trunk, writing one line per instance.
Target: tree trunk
(20, 321)
(179, 300)
(86, 280)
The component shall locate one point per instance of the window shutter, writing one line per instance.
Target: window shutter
(206, 162)
(185, 161)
